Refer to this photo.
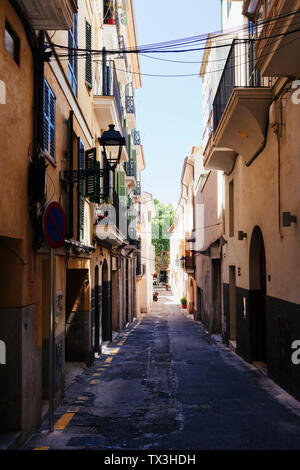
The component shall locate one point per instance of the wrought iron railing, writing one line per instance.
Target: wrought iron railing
(138, 189)
(136, 137)
(122, 46)
(129, 104)
(130, 168)
(239, 71)
(109, 12)
(189, 263)
(106, 84)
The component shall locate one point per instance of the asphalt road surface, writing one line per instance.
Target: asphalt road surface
(164, 384)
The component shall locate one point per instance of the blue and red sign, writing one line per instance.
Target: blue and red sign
(54, 224)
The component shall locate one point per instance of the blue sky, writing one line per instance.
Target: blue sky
(169, 109)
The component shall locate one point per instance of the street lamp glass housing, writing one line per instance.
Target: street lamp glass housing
(112, 143)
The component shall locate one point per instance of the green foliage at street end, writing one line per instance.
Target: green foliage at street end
(160, 236)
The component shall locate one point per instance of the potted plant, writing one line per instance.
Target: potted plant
(183, 302)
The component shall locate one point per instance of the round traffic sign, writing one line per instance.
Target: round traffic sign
(54, 224)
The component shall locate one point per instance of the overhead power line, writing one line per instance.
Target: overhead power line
(164, 47)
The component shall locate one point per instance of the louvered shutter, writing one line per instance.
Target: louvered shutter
(49, 120)
(90, 164)
(70, 227)
(52, 125)
(88, 61)
(96, 197)
(106, 178)
(46, 116)
(80, 220)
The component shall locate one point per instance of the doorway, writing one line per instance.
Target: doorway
(106, 313)
(216, 296)
(199, 316)
(97, 312)
(232, 305)
(257, 304)
(77, 316)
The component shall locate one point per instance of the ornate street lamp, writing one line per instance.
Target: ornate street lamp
(112, 143)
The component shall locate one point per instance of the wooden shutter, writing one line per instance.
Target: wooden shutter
(90, 164)
(80, 220)
(46, 116)
(49, 120)
(106, 178)
(88, 61)
(52, 125)
(70, 225)
(96, 197)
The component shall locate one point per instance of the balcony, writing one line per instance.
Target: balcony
(109, 12)
(137, 190)
(107, 100)
(130, 111)
(121, 60)
(45, 15)
(136, 137)
(107, 227)
(278, 56)
(240, 110)
(131, 173)
(189, 264)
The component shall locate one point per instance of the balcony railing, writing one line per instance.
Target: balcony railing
(122, 46)
(106, 84)
(136, 137)
(109, 12)
(137, 190)
(129, 104)
(188, 263)
(131, 168)
(239, 71)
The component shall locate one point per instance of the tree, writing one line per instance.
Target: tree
(160, 236)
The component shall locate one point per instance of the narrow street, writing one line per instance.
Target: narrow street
(164, 384)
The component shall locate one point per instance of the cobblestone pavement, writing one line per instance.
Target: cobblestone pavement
(164, 384)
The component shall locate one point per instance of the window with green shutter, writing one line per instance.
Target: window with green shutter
(88, 60)
(80, 216)
(70, 224)
(90, 164)
(49, 120)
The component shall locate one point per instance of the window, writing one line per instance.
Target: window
(49, 120)
(72, 67)
(231, 209)
(88, 60)
(12, 43)
(80, 216)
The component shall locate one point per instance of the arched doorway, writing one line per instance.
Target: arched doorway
(97, 313)
(106, 320)
(257, 307)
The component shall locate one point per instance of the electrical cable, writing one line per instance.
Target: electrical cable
(159, 46)
(84, 52)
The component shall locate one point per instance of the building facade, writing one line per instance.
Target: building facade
(254, 141)
(59, 102)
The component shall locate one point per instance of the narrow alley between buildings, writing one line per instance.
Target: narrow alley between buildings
(164, 383)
